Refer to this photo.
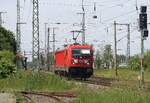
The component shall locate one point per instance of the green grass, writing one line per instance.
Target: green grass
(34, 81)
(123, 91)
(124, 74)
(113, 95)
(21, 99)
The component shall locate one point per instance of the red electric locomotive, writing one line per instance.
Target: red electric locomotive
(75, 60)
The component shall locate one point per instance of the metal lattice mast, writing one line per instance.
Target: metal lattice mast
(48, 48)
(18, 28)
(46, 37)
(35, 38)
(83, 23)
(115, 49)
(128, 44)
(53, 41)
(1, 20)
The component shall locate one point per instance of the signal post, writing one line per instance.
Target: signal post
(144, 34)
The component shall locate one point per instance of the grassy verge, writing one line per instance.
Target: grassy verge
(124, 91)
(34, 81)
(113, 95)
(125, 74)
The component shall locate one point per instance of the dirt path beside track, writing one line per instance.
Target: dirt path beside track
(7, 98)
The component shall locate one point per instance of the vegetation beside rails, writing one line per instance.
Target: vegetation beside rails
(7, 66)
(113, 95)
(36, 81)
(124, 74)
(21, 99)
(126, 90)
(7, 40)
(33, 81)
(109, 95)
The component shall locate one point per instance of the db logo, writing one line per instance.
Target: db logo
(80, 61)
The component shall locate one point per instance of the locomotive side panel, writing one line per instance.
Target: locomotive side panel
(67, 58)
(59, 59)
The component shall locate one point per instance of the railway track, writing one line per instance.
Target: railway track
(93, 80)
(48, 97)
(97, 81)
(100, 81)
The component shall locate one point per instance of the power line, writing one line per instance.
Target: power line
(108, 1)
(124, 14)
(90, 4)
(128, 41)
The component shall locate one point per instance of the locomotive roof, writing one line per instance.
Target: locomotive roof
(80, 46)
(74, 46)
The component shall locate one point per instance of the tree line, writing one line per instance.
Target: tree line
(7, 53)
(104, 59)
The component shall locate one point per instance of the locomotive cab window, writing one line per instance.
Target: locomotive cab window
(76, 52)
(80, 52)
(85, 51)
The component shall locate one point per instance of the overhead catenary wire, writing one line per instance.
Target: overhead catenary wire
(121, 15)
(106, 20)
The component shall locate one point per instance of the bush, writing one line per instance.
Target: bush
(134, 63)
(7, 55)
(147, 60)
(7, 66)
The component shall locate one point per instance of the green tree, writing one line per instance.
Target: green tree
(7, 52)
(7, 55)
(121, 59)
(107, 56)
(98, 60)
(7, 40)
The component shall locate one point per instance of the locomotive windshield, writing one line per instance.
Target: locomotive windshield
(80, 52)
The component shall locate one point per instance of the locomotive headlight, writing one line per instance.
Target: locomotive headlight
(75, 61)
(86, 61)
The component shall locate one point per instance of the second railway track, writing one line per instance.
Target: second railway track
(102, 81)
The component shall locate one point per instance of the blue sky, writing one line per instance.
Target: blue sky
(98, 31)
